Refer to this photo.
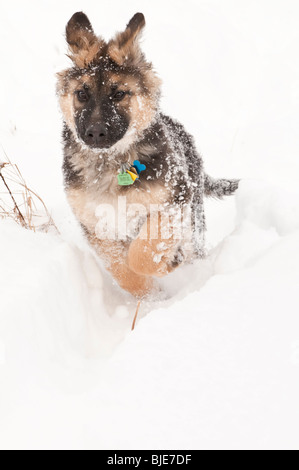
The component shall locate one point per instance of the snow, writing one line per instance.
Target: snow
(216, 365)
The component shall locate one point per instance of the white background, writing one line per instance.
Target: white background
(217, 366)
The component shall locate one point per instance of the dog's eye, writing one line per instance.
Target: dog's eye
(82, 95)
(119, 95)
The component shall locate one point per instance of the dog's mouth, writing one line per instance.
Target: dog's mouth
(106, 145)
(102, 145)
(101, 137)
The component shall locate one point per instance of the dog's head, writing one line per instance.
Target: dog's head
(111, 93)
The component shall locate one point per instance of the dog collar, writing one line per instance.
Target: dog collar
(130, 173)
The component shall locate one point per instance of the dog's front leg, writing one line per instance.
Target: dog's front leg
(156, 255)
(114, 255)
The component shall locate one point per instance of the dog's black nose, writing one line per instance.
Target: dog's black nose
(96, 133)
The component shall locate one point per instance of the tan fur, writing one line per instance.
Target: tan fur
(134, 265)
(120, 55)
(149, 256)
(85, 56)
(138, 285)
(131, 264)
(84, 45)
(85, 203)
(124, 47)
(84, 207)
(67, 107)
(126, 82)
(66, 89)
(114, 255)
(142, 111)
(85, 80)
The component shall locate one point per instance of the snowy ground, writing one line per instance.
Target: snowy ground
(217, 365)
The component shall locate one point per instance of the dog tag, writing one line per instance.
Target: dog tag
(124, 179)
(133, 175)
(139, 166)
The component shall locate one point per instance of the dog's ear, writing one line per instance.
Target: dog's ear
(83, 43)
(79, 32)
(133, 29)
(125, 46)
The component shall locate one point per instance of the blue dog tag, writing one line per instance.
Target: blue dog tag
(139, 166)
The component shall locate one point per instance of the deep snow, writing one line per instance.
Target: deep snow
(216, 366)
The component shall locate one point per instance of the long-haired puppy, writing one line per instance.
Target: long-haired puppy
(133, 176)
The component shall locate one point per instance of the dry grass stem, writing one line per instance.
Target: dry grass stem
(19, 202)
(136, 315)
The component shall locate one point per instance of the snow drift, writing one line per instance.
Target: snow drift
(212, 368)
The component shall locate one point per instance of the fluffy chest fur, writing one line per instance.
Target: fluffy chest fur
(97, 191)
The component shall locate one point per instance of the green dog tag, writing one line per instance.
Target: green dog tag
(124, 179)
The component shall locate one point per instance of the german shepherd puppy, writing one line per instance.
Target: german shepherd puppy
(121, 150)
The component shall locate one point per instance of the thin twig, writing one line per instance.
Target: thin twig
(15, 204)
(136, 314)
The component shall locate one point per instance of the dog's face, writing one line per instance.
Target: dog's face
(111, 93)
(101, 105)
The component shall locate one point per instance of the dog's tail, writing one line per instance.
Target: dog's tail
(220, 187)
